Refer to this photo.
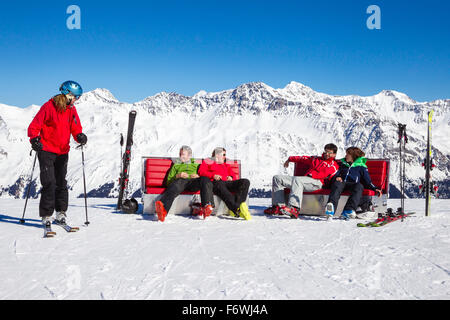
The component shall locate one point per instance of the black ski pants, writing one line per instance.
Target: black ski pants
(54, 193)
(356, 190)
(179, 185)
(233, 193)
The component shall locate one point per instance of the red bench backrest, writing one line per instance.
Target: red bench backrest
(379, 173)
(300, 169)
(156, 171)
(235, 167)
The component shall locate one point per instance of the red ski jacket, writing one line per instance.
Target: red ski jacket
(319, 168)
(209, 168)
(55, 127)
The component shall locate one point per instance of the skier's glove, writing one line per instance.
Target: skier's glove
(36, 144)
(81, 139)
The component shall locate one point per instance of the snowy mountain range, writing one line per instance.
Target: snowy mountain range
(256, 123)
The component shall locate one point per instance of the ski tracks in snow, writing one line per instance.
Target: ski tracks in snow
(126, 257)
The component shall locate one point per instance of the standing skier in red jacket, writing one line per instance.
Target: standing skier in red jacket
(49, 134)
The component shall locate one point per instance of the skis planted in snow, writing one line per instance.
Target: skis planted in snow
(428, 166)
(126, 157)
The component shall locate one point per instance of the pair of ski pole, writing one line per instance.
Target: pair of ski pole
(22, 221)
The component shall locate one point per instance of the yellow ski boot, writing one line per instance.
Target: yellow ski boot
(244, 212)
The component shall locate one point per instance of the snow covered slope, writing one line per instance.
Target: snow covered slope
(135, 257)
(255, 123)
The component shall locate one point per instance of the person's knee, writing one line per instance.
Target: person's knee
(219, 184)
(298, 179)
(276, 178)
(206, 183)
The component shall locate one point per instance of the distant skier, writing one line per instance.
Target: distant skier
(49, 134)
(316, 171)
(225, 185)
(352, 175)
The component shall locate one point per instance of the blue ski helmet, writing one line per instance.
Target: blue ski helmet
(71, 87)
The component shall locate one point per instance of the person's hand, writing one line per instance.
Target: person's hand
(286, 163)
(36, 144)
(339, 179)
(379, 192)
(217, 177)
(81, 139)
(184, 175)
(229, 178)
(194, 176)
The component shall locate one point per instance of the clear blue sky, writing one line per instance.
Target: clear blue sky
(139, 48)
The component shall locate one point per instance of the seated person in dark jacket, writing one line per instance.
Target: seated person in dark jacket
(352, 175)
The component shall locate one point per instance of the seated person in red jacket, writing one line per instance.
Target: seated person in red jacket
(318, 169)
(225, 183)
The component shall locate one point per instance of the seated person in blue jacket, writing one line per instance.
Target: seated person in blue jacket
(352, 175)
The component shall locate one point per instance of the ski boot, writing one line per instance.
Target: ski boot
(47, 223)
(206, 211)
(244, 212)
(273, 210)
(329, 211)
(60, 218)
(61, 221)
(160, 211)
(348, 214)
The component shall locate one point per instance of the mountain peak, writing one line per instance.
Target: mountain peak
(99, 93)
(396, 95)
(295, 86)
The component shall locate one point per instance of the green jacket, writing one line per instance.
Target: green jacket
(359, 162)
(355, 172)
(178, 167)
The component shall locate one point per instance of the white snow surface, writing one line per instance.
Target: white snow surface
(121, 256)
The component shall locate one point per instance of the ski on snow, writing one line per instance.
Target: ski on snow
(48, 233)
(66, 227)
(385, 219)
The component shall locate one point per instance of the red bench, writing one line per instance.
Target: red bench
(154, 176)
(379, 174)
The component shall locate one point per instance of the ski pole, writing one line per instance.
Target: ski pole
(28, 190)
(84, 183)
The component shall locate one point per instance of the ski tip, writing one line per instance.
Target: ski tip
(49, 234)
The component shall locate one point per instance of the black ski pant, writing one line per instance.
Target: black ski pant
(225, 189)
(54, 193)
(356, 190)
(179, 185)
